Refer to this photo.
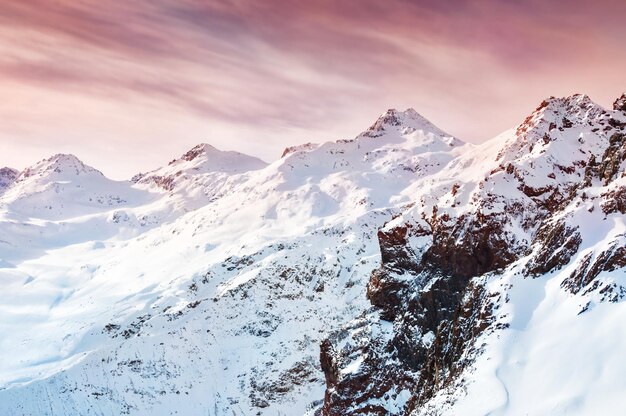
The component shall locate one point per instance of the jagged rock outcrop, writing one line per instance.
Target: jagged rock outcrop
(592, 264)
(421, 295)
(524, 215)
(556, 244)
(620, 103)
(302, 147)
(608, 165)
(453, 348)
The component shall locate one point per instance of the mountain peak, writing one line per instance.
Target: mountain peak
(301, 147)
(394, 119)
(564, 112)
(59, 164)
(200, 149)
(563, 124)
(200, 159)
(573, 105)
(8, 172)
(204, 157)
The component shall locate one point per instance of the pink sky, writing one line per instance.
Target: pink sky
(129, 85)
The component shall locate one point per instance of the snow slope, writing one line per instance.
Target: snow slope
(218, 308)
(207, 286)
(495, 284)
(563, 338)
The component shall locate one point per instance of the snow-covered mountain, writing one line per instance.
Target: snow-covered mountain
(7, 177)
(401, 272)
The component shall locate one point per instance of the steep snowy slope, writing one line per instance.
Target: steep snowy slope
(223, 308)
(563, 321)
(507, 244)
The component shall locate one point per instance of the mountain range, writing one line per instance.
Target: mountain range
(402, 272)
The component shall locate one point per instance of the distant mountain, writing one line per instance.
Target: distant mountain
(7, 177)
(202, 159)
(400, 272)
(62, 187)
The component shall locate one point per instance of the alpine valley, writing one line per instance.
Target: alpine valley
(403, 272)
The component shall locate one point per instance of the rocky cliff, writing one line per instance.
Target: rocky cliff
(529, 213)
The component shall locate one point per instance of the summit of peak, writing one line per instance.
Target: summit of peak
(60, 163)
(561, 112)
(410, 119)
(561, 124)
(411, 114)
(399, 117)
(65, 161)
(576, 98)
(570, 104)
(206, 147)
(199, 149)
(205, 158)
(64, 158)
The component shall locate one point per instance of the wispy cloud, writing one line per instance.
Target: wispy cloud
(91, 76)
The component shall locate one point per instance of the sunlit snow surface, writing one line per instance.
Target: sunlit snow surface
(195, 288)
(206, 286)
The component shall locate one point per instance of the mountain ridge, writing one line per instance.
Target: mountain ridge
(392, 255)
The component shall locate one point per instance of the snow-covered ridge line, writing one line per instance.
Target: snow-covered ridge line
(578, 106)
(207, 286)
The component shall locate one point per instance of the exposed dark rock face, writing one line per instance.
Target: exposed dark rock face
(589, 268)
(395, 253)
(427, 294)
(329, 367)
(557, 244)
(196, 151)
(390, 118)
(462, 254)
(432, 299)
(165, 182)
(608, 167)
(615, 201)
(356, 391)
(383, 290)
(292, 149)
(620, 103)
(449, 354)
